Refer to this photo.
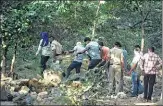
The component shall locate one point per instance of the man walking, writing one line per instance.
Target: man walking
(136, 72)
(151, 64)
(93, 50)
(77, 60)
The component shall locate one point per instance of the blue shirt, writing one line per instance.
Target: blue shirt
(93, 49)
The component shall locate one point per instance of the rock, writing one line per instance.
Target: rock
(43, 94)
(121, 95)
(39, 99)
(24, 90)
(28, 100)
(52, 77)
(159, 103)
(35, 103)
(155, 99)
(50, 98)
(62, 100)
(141, 96)
(76, 84)
(48, 103)
(55, 92)
(4, 93)
(56, 66)
(113, 97)
(20, 97)
(15, 94)
(7, 103)
(33, 95)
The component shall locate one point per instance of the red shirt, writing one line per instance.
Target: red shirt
(105, 52)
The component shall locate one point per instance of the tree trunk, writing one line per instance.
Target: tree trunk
(13, 59)
(95, 21)
(142, 40)
(4, 54)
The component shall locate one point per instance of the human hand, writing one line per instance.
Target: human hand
(36, 54)
(54, 59)
(129, 73)
(66, 52)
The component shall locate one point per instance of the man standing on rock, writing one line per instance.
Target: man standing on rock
(94, 52)
(116, 65)
(151, 64)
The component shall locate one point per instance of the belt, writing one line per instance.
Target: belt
(115, 64)
(57, 54)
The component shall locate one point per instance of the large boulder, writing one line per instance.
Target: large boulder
(43, 94)
(52, 77)
(24, 90)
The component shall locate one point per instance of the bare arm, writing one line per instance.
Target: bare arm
(132, 68)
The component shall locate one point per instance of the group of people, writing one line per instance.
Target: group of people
(115, 60)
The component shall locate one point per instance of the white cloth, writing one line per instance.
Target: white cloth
(46, 50)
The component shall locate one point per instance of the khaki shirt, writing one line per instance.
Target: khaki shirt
(116, 56)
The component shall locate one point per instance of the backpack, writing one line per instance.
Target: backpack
(58, 47)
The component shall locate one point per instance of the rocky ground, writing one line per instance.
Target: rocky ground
(90, 89)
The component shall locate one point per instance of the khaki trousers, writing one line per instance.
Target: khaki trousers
(115, 79)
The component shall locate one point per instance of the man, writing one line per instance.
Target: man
(105, 54)
(136, 72)
(77, 60)
(151, 64)
(93, 50)
(116, 65)
(57, 51)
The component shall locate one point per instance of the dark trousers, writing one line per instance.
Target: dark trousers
(43, 62)
(102, 64)
(93, 63)
(74, 64)
(149, 81)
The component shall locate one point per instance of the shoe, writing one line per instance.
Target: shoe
(149, 101)
(63, 74)
(133, 95)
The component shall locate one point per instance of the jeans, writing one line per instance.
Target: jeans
(93, 63)
(43, 62)
(137, 87)
(74, 64)
(149, 81)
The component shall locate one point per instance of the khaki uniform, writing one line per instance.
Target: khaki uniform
(115, 73)
(58, 47)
